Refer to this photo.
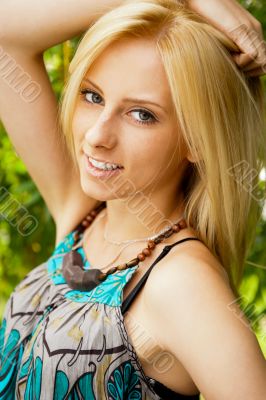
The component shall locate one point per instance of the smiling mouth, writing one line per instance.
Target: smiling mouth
(100, 172)
(107, 166)
(103, 164)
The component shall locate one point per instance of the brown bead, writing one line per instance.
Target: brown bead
(141, 257)
(112, 270)
(102, 276)
(121, 267)
(168, 233)
(85, 223)
(157, 240)
(93, 213)
(133, 262)
(151, 244)
(175, 228)
(182, 224)
(89, 218)
(146, 252)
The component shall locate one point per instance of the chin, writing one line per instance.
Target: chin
(96, 190)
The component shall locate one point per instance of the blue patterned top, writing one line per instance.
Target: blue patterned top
(58, 343)
(109, 292)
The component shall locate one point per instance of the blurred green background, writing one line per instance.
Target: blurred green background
(19, 254)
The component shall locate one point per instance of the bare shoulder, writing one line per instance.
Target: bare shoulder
(189, 257)
(204, 327)
(188, 271)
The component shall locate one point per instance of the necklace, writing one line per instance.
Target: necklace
(85, 280)
(126, 242)
(133, 240)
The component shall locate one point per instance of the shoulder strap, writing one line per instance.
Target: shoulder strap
(127, 302)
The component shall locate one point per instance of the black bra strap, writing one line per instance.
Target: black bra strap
(139, 285)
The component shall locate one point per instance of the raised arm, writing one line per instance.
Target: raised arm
(36, 26)
(230, 17)
(28, 106)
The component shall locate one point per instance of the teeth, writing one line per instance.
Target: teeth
(102, 165)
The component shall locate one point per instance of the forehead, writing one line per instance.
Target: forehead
(133, 67)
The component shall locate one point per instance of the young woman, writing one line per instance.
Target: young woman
(148, 206)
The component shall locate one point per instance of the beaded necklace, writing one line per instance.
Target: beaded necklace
(85, 280)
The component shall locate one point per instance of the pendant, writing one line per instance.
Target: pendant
(75, 275)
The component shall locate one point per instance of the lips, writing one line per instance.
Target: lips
(102, 165)
(103, 161)
(100, 173)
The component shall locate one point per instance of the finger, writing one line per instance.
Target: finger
(246, 61)
(251, 66)
(256, 72)
(243, 60)
(248, 41)
(260, 61)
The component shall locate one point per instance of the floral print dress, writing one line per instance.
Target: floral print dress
(59, 343)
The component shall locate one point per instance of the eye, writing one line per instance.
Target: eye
(151, 119)
(85, 92)
(96, 99)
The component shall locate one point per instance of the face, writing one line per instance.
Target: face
(125, 116)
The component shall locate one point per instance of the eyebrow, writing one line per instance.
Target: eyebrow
(127, 99)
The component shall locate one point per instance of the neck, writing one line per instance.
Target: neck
(128, 219)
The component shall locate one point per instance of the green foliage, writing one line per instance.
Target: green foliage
(19, 254)
(253, 287)
(257, 9)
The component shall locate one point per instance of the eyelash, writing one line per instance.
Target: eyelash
(83, 93)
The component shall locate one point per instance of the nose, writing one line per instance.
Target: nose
(101, 133)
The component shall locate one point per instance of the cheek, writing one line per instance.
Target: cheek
(166, 151)
(150, 151)
(160, 148)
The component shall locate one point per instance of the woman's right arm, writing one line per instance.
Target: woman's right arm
(30, 115)
(36, 26)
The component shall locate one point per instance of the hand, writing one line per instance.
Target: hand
(237, 23)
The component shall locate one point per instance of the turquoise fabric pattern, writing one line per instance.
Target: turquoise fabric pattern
(109, 292)
(61, 344)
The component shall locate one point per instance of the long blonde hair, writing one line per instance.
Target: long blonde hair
(220, 112)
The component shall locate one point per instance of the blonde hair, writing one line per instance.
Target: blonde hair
(219, 109)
